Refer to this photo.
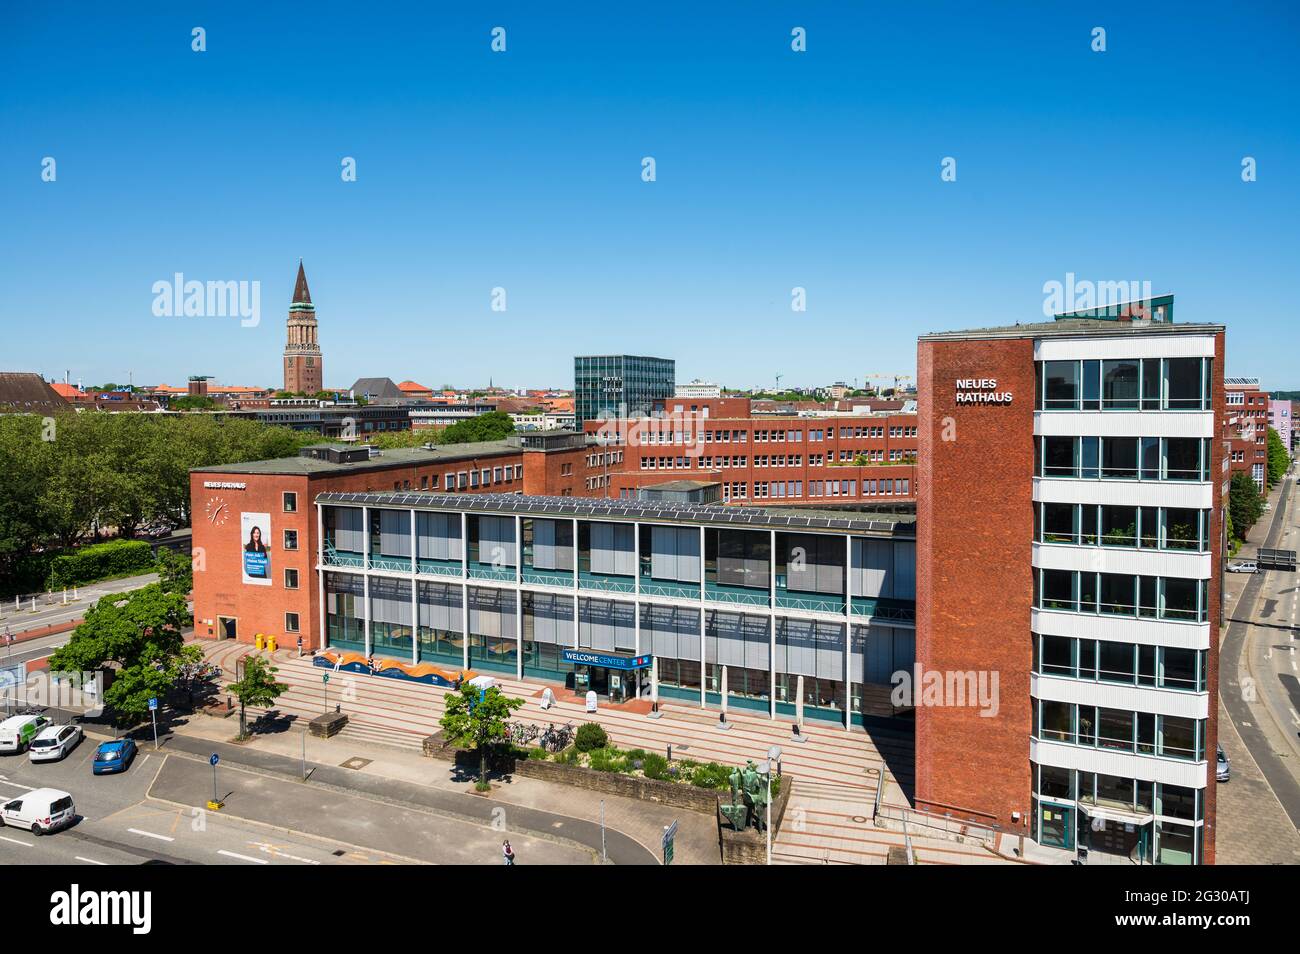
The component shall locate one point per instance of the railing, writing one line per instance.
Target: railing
(396, 564)
(883, 609)
(480, 572)
(438, 568)
(740, 598)
(813, 604)
(335, 557)
(684, 591)
(548, 577)
(935, 825)
(609, 584)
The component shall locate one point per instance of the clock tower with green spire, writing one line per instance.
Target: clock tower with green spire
(302, 357)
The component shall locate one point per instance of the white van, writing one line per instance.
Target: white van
(17, 732)
(40, 811)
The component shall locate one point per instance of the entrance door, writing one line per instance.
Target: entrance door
(226, 627)
(1056, 826)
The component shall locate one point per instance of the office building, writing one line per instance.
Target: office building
(621, 385)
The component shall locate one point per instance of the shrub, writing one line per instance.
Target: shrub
(538, 754)
(100, 561)
(567, 756)
(590, 736)
(654, 766)
(608, 760)
(711, 775)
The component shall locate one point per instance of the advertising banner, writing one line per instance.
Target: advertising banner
(255, 531)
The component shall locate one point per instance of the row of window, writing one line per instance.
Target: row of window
(1102, 660)
(771, 435)
(1126, 384)
(1147, 528)
(1124, 458)
(1122, 594)
(1119, 730)
(1167, 801)
(765, 490)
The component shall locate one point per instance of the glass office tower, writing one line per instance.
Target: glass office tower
(620, 385)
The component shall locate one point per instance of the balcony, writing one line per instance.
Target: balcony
(605, 582)
(348, 558)
(735, 595)
(391, 563)
(430, 567)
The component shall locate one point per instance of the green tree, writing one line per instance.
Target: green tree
(257, 688)
(1279, 459)
(477, 719)
(1245, 504)
(192, 402)
(175, 570)
(138, 634)
(493, 426)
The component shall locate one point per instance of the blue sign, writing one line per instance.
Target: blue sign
(581, 657)
(153, 704)
(214, 760)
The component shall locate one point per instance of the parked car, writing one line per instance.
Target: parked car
(115, 756)
(54, 742)
(1243, 566)
(1222, 768)
(17, 732)
(40, 811)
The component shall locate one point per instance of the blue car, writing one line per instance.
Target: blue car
(115, 756)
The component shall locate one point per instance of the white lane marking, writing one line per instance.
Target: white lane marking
(90, 861)
(234, 854)
(25, 844)
(149, 834)
(273, 850)
(5, 781)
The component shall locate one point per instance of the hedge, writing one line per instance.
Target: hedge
(101, 561)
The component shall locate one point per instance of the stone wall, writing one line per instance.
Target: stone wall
(671, 794)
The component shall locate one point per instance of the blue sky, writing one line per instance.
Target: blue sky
(522, 170)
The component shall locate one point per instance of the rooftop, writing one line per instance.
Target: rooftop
(786, 519)
(400, 457)
(1074, 327)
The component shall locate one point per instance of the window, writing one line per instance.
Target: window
(291, 622)
(290, 579)
(290, 502)
(291, 539)
(1119, 384)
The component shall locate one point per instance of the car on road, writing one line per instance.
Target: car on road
(115, 756)
(54, 742)
(40, 811)
(17, 732)
(1243, 566)
(1222, 767)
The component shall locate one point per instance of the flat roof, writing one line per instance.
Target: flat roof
(404, 456)
(1075, 327)
(789, 519)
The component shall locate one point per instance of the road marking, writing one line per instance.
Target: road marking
(90, 861)
(274, 850)
(234, 854)
(25, 844)
(149, 834)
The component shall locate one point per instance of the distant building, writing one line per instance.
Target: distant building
(303, 364)
(1246, 428)
(377, 390)
(620, 385)
(1279, 418)
(23, 392)
(698, 389)
(415, 391)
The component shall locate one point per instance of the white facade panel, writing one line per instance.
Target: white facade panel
(1160, 345)
(1191, 495)
(1146, 768)
(1123, 629)
(1124, 423)
(1180, 563)
(1171, 702)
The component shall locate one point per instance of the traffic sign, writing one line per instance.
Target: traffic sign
(153, 704)
(214, 760)
(670, 833)
(325, 677)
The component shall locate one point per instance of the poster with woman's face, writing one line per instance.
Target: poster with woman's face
(255, 529)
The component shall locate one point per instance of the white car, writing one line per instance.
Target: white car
(40, 811)
(54, 743)
(1243, 566)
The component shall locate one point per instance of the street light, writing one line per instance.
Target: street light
(773, 755)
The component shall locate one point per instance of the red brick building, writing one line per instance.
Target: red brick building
(303, 363)
(1246, 428)
(1069, 544)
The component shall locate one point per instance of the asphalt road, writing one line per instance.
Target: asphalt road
(1258, 661)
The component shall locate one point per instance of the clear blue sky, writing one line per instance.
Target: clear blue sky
(522, 170)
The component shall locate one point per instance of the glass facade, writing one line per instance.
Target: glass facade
(614, 386)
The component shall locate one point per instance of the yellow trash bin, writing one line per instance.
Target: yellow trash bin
(261, 641)
(270, 644)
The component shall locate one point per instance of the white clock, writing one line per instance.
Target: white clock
(218, 511)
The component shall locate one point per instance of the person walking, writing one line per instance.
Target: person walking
(507, 852)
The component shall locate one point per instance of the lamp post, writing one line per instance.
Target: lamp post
(773, 756)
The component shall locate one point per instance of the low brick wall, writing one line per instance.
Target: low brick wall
(749, 847)
(672, 794)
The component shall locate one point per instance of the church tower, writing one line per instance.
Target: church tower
(302, 357)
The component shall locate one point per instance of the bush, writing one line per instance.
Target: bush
(590, 736)
(100, 561)
(711, 775)
(655, 766)
(608, 759)
(567, 756)
(538, 754)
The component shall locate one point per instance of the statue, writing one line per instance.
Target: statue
(748, 806)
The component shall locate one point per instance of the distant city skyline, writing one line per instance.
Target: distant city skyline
(517, 177)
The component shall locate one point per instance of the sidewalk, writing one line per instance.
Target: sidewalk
(827, 822)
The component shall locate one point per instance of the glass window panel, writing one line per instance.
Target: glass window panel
(1056, 722)
(1151, 384)
(1119, 457)
(1179, 598)
(1061, 383)
(1183, 384)
(1119, 526)
(1182, 529)
(1182, 458)
(1091, 385)
(1088, 524)
(1115, 661)
(1179, 669)
(1057, 656)
(1058, 590)
(1058, 523)
(1090, 456)
(1117, 594)
(1115, 729)
(1119, 384)
(1059, 456)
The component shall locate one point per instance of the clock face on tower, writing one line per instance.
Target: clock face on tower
(218, 511)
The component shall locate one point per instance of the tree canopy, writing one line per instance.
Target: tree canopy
(1245, 504)
(478, 719)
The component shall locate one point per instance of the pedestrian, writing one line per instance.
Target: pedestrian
(299, 647)
(507, 852)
